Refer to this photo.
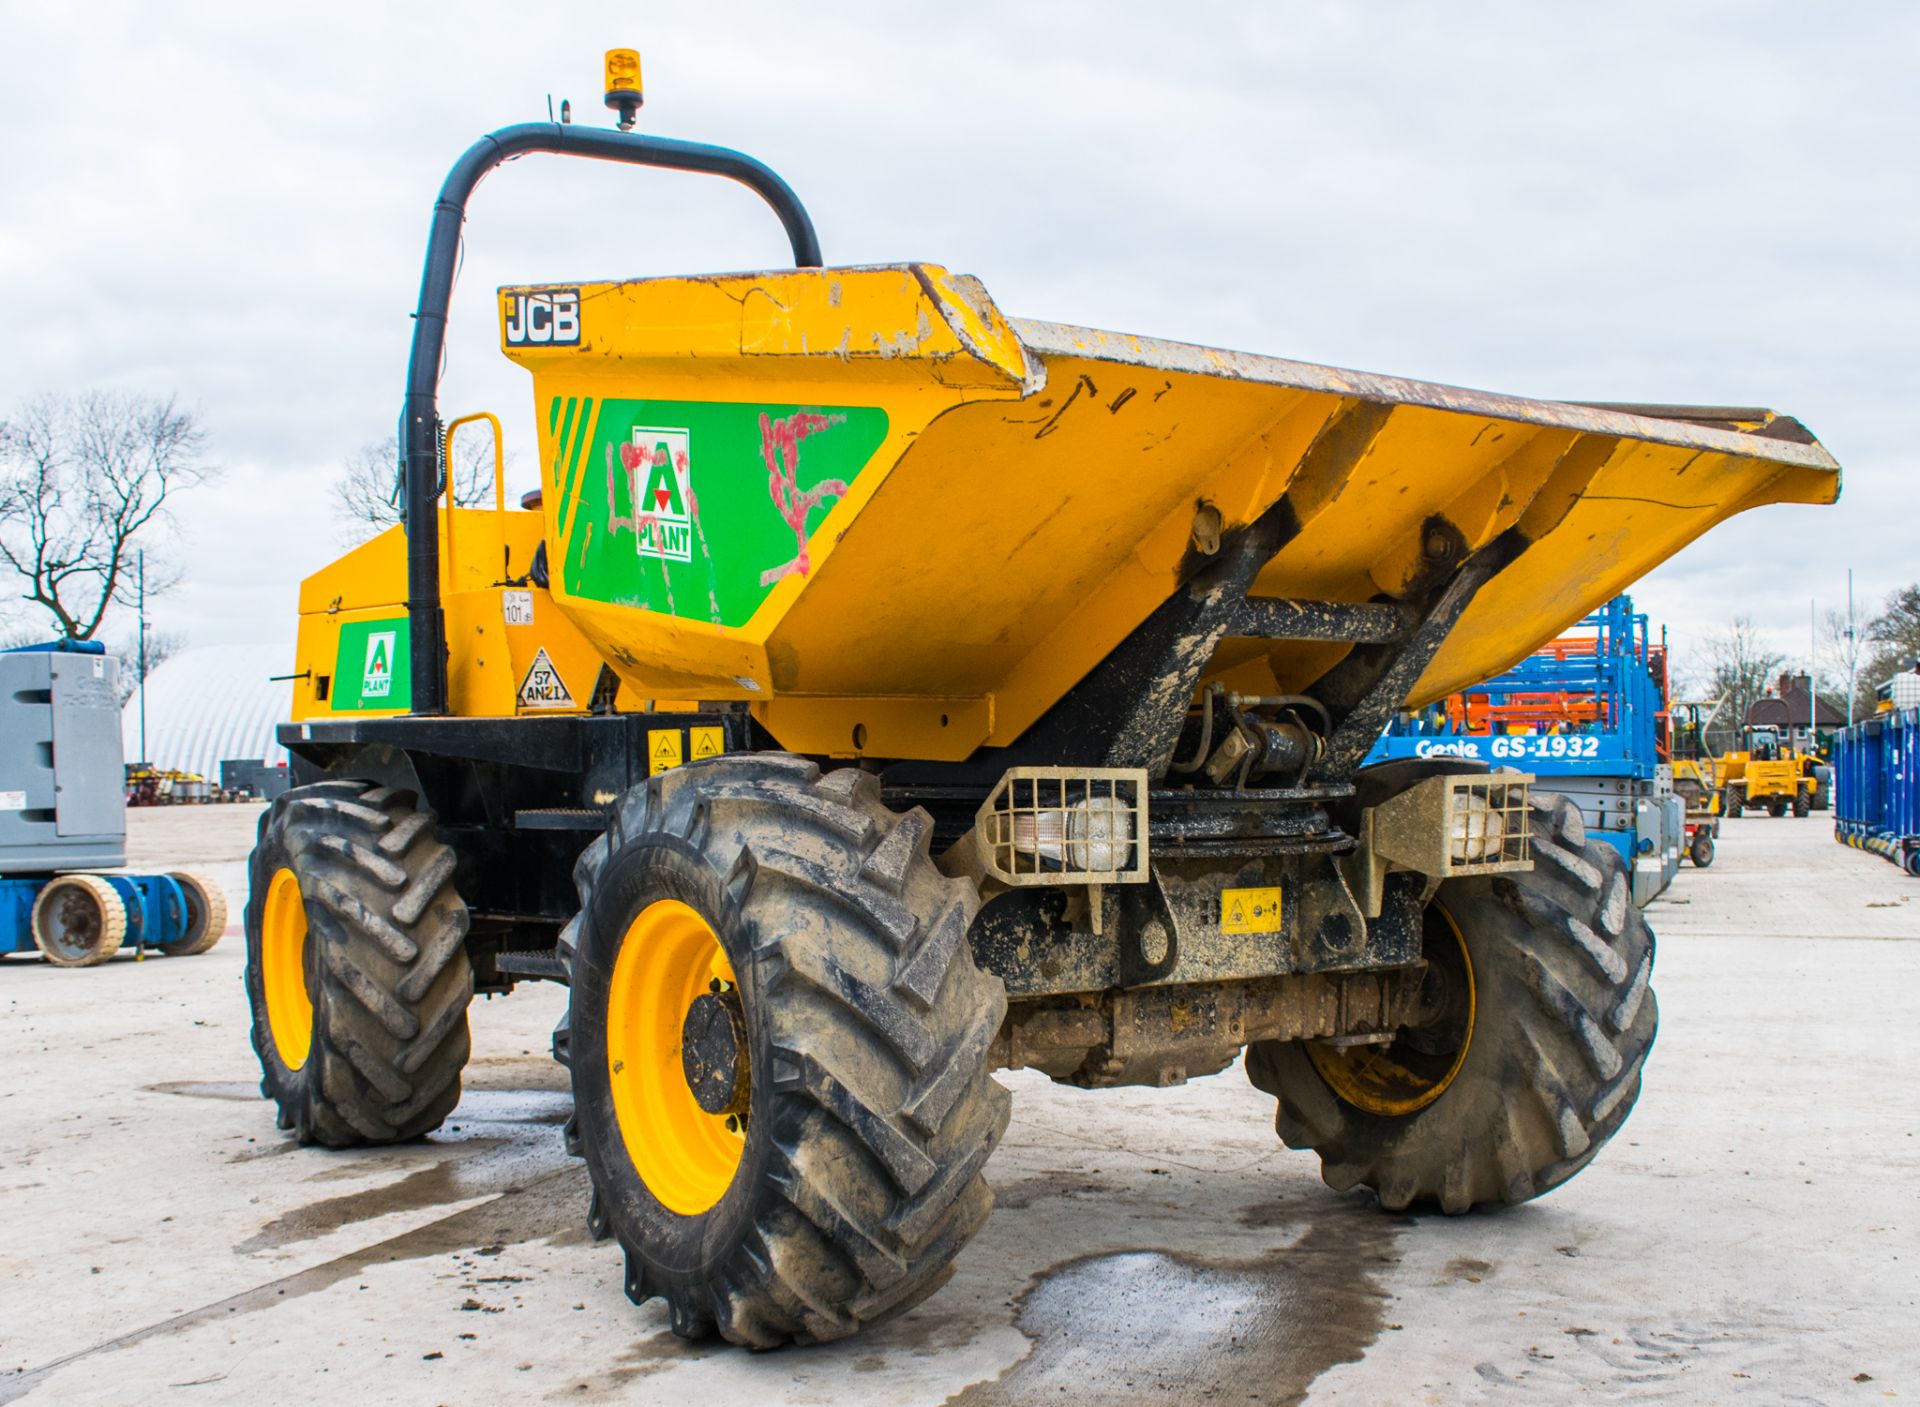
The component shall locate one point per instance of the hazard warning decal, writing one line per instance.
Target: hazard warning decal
(1250, 910)
(543, 687)
(665, 750)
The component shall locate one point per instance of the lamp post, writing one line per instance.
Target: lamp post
(141, 559)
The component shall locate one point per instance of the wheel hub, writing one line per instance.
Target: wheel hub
(713, 1048)
(1407, 1075)
(76, 922)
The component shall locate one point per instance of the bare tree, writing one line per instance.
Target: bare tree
(1840, 657)
(84, 481)
(1740, 668)
(162, 645)
(1892, 639)
(368, 497)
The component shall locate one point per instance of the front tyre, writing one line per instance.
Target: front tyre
(778, 1046)
(357, 969)
(1536, 1018)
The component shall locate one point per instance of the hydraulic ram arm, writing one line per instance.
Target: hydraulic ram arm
(420, 416)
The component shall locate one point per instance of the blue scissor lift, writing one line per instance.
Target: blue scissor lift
(1586, 714)
(63, 831)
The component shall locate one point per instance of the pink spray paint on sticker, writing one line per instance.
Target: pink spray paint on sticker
(780, 448)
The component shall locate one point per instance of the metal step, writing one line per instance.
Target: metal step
(561, 818)
(544, 966)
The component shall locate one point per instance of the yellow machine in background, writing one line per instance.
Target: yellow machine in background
(1767, 773)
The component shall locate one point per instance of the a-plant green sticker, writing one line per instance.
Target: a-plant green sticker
(370, 671)
(698, 508)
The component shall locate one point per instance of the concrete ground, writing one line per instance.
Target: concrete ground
(1752, 1235)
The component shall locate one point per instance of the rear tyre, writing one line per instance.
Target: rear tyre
(778, 1040)
(78, 920)
(206, 917)
(356, 965)
(1777, 807)
(1538, 1019)
(1701, 851)
(1736, 802)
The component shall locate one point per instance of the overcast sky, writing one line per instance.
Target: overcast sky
(1713, 203)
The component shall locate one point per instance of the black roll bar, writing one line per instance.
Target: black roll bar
(420, 416)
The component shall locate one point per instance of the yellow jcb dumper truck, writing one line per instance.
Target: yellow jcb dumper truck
(1767, 773)
(886, 690)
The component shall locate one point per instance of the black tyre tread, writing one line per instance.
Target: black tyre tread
(391, 984)
(881, 1028)
(1557, 1079)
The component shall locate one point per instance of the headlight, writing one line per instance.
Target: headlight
(1092, 836)
(1479, 831)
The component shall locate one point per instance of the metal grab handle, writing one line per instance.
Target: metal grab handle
(420, 414)
(499, 487)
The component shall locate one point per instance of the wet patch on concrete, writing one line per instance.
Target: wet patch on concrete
(641, 1359)
(517, 1105)
(550, 1207)
(1466, 1268)
(460, 1178)
(500, 1145)
(278, 1148)
(483, 1101)
(1151, 1326)
(1018, 1196)
(200, 1089)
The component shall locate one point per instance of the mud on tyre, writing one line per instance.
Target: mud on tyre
(776, 947)
(356, 965)
(1521, 1074)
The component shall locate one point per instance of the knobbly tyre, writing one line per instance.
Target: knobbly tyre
(880, 691)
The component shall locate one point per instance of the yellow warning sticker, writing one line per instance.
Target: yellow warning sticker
(1250, 910)
(707, 742)
(663, 750)
(543, 687)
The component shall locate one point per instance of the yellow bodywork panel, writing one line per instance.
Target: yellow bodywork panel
(900, 524)
(511, 650)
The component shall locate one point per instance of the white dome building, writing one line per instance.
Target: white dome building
(209, 705)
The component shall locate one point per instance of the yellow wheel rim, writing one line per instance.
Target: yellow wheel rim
(283, 969)
(1409, 1074)
(687, 1156)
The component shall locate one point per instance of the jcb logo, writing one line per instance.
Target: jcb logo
(547, 319)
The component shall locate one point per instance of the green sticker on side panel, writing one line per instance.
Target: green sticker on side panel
(699, 508)
(371, 670)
